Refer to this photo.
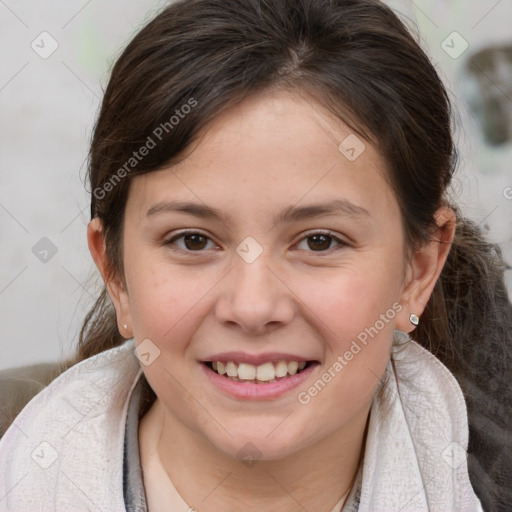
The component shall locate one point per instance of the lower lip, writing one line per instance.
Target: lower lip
(252, 391)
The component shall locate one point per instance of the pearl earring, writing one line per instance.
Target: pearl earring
(125, 327)
(414, 319)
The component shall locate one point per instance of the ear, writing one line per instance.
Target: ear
(424, 269)
(115, 285)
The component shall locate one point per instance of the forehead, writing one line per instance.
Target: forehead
(274, 149)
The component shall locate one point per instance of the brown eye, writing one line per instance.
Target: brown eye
(191, 241)
(321, 242)
(194, 242)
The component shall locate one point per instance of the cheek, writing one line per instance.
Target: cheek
(357, 319)
(355, 309)
(167, 308)
(163, 301)
(352, 298)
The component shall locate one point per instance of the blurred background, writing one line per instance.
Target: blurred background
(55, 62)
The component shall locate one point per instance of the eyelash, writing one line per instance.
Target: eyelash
(330, 234)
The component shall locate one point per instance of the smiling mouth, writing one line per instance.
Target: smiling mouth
(261, 374)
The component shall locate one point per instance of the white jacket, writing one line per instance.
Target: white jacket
(64, 451)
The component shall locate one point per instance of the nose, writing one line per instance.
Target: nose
(254, 297)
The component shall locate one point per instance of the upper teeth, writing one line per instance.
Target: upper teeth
(264, 372)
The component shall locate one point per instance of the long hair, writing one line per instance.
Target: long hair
(356, 58)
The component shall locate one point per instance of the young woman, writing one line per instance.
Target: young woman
(270, 216)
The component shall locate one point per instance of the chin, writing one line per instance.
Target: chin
(256, 444)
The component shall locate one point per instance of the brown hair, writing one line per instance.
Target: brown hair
(358, 59)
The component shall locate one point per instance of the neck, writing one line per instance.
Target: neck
(314, 478)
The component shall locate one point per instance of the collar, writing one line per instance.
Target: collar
(416, 447)
(65, 449)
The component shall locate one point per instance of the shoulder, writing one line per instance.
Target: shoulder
(431, 396)
(19, 385)
(417, 439)
(69, 434)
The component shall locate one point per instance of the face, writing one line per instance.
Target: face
(264, 248)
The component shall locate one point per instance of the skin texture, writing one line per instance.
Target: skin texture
(301, 296)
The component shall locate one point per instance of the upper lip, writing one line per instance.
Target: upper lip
(256, 359)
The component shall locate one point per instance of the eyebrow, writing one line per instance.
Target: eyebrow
(289, 214)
